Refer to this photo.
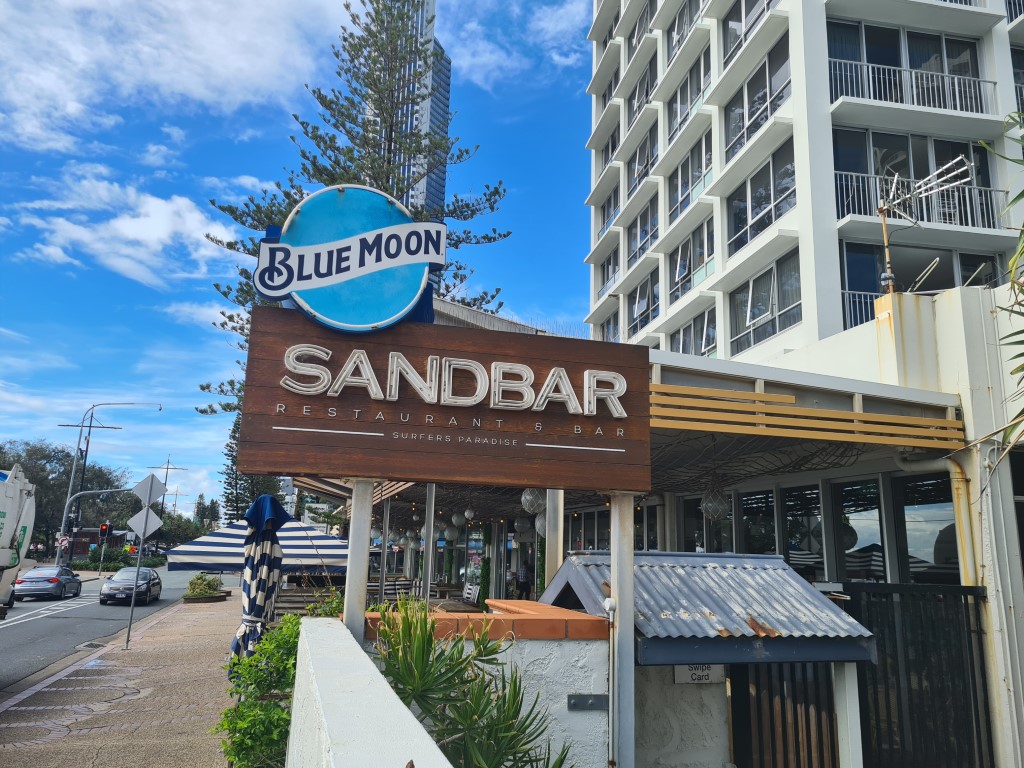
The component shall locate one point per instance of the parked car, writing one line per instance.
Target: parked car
(122, 584)
(47, 581)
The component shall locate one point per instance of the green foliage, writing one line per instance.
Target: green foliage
(156, 561)
(113, 557)
(470, 702)
(362, 134)
(202, 585)
(328, 603)
(257, 726)
(240, 491)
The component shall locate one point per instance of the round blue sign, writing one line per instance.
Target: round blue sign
(351, 258)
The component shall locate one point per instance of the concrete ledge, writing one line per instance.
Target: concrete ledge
(516, 620)
(344, 713)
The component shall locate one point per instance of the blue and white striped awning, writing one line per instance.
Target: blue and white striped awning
(305, 549)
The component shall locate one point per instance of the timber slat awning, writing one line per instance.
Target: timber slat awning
(777, 415)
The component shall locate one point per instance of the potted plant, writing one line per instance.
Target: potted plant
(204, 589)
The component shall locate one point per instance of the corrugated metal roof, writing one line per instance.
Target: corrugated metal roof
(685, 595)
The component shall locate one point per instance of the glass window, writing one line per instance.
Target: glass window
(640, 96)
(765, 90)
(692, 528)
(643, 303)
(803, 538)
(768, 303)
(757, 513)
(610, 328)
(769, 193)
(688, 260)
(643, 231)
(924, 507)
(696, 337)
(858, 524)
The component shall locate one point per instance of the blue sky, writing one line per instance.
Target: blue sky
(119, 120)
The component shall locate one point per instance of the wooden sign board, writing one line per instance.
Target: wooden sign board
(431, 403)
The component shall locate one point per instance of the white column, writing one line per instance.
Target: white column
(358, 571)
(847, 701)
(622, 631)
(554, 549)
(429, 550)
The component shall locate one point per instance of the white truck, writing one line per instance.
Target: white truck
(17, 516)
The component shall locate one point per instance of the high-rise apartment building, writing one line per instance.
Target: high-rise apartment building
(742, 149)
(431, 115)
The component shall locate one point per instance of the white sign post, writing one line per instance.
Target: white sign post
(144, 523)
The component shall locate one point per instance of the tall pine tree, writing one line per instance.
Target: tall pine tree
(240, 491)
(363, 134)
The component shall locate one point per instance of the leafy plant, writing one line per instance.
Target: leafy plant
(330, 603)
(257, 726)
(202, 585)
(470, 702)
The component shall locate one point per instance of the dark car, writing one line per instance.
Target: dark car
(122, 584)
(48, 581)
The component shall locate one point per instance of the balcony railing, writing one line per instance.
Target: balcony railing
(858, 194)
(696, 104)
(608, 222)
(1020, 97)
(914, 87)
(858, 308)
(1014, 8)
(755, 14)
(608, 284)
(639, 176)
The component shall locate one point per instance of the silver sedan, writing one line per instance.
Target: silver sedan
(48, 581)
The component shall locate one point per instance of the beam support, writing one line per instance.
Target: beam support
(358, 572)
(554, 549)
(622, 631)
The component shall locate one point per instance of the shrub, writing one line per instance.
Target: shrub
(257, 726)
(156, 561)
(471, 703)
(330, 603)
(202, 585)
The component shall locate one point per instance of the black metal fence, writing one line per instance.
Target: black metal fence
(925, 704)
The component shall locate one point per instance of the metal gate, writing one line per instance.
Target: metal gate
(925, 704)
(783, 716)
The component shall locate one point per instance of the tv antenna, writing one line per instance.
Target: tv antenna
(903, 194)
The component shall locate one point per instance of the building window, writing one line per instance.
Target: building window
(906, 67)
(641, 28)
(741, 20)
(690, 261)
(762, 198)
(766, 304)
(609, 272)
(696, 337)
(767, 88)
(610, 327)
(640, 96)
(644, 303)
(688, 15)
(870, 163)
(689, 179)
(608, 150)
(609, 34)
(689, 96)
(643, 159)
(643, 231)
(606, 94)
(609, 210)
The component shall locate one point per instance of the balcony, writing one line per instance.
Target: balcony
(967, 17)
(1020, 97)
(951, 104)
(858, 308)
(965, 217)
(1014, 10)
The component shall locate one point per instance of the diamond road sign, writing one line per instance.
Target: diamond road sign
(149, 490)
(145, 522)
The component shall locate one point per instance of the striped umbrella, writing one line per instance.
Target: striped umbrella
(262, 571)
(306, 550)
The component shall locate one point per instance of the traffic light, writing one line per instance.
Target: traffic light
(104, 530)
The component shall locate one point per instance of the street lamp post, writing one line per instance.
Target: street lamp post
(89, 413)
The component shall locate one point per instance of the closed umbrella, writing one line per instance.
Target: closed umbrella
(261, 573)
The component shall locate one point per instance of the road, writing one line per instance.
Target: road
(38, 633)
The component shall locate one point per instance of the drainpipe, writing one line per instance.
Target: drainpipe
(609, 608)
(967, 541)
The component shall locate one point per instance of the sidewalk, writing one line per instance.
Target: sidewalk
(152, 705)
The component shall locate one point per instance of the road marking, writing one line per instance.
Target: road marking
(49, 610)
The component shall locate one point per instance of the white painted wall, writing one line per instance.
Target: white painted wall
(344, 713)
(556, 668)
(682, 725)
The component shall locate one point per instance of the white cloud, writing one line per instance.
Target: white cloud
(70, 65)
(158, 156)
(561, 30)
(174, 134)
(152, 240)
(32, 361)
(5, 223)
(205, 315)
(7, 333)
